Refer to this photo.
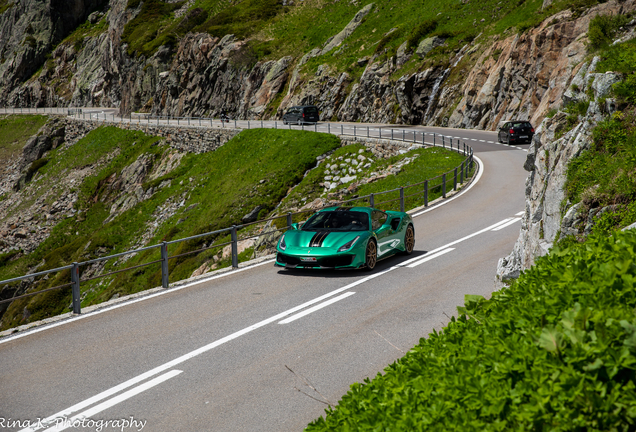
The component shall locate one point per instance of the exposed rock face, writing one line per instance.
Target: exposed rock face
(548, 214)
(28, 30)
(525, 76)
(521, 76)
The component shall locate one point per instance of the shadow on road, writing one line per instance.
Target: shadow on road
(382, 265)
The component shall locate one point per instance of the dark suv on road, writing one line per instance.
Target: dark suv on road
(301, 114)
(515, 132)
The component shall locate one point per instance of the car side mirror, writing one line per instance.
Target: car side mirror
(294, 226)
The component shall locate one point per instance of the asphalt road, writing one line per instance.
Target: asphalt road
(236, 353)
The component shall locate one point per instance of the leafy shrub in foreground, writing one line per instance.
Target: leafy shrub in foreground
(554, 351)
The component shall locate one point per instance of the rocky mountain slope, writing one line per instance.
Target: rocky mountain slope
(486, 79)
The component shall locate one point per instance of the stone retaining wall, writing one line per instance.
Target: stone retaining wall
(191, 139)
(382, 148)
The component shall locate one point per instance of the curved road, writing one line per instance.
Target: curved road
(237, 352)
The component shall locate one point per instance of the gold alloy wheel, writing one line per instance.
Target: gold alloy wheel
(409, 240)
(371, 255)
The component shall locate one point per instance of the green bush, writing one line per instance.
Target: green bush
(603, 28)
(554, 351)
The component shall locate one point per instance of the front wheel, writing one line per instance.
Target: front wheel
(409, 240)
(371, 255)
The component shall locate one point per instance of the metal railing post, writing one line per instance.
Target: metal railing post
(444, 185)
(354, 130)
(451, 143)
(380, 133)
(341, 130)
(234, 247)
(234, 124)
(371, 201)
(425, 193)
(248, 124)
(75, 280)
(289, 220)
(391, 133)
(368, 128)
(261, 123)
(443, 143)
(165, 282)
(455, 179)
(402, 199)
(328, 127)
(403, 134)
(461, 176)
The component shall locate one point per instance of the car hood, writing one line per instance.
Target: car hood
(304, 239)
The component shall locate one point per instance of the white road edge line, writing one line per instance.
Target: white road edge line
(507, 224)
(63, 424)
(316, 308)
(131, 382)
(126, 303)
(521, 213)
(429, 257)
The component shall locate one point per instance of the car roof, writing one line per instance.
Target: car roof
(513, 121)
(358, 209)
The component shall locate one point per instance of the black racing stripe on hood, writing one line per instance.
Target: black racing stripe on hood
(318, 239)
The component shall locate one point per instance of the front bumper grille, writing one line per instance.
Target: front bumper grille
(324, 262)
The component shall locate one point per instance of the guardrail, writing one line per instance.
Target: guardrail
(351, 129)
(435, 185)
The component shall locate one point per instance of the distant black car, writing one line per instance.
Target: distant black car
(515, 132)
(301, 114)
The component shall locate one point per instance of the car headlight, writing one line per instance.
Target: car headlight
(348, 245)
(282, 245)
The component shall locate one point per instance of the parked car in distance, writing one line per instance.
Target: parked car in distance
(301, 115)
(515, 132)
(346, 237)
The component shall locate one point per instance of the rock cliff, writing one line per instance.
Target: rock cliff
(513, 75)
(549, 215)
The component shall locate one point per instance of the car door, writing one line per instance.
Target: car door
(506, 133)
(388, 238)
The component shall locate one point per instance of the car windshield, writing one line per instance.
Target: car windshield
(338, 220)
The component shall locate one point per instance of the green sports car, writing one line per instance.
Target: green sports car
(346, 237)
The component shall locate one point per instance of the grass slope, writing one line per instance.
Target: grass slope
(212, 190)
(16, 130)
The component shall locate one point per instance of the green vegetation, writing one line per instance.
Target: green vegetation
(16, 130)
(605, 175)
(426, 164)
(603, 29)
(5, 5)
(144, 33)
(554, 351)
(257, 167)
(274, 30)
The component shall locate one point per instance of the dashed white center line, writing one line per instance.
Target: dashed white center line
(63, 423)
(315, 308)
(429, 257)
(500, 227)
